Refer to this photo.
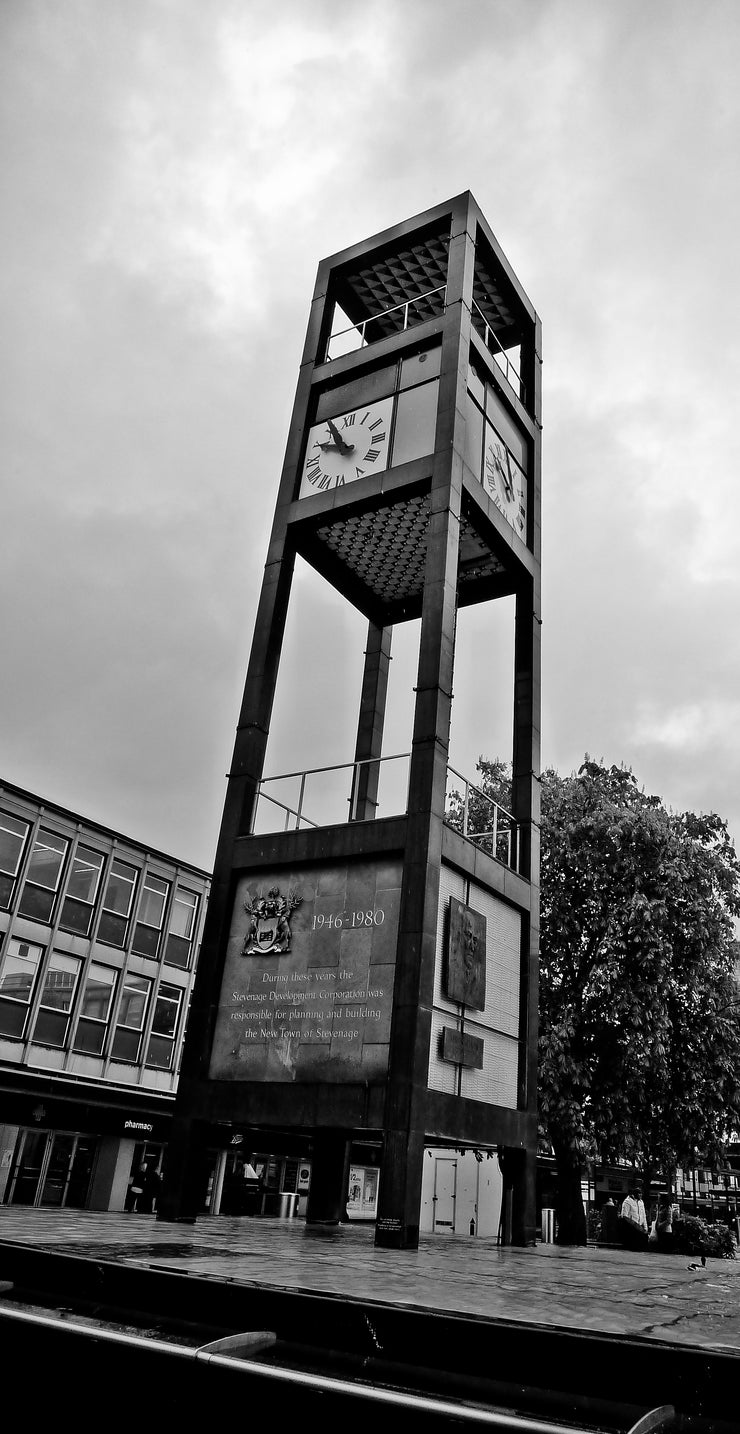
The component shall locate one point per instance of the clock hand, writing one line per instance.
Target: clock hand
(330, 448)
(336, 435)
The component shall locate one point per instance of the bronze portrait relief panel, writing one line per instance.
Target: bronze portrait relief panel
(465, 966)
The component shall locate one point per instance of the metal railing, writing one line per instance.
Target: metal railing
(505, 358)
(356, 335)
(362, 790)
(480, 819)
(367, 788)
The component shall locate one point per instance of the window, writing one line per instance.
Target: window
(182, 927)
(164, 1027)
(95, 1008)
(117, 903)
(131, 1018)
(82, 889)
(416, 417)
(13, 833)
(43, 876)
(150, 916)
(57, 998)
(17, 980)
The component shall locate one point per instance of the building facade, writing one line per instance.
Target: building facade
(99, 937)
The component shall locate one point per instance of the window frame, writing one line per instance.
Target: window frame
(164, 1041)
(178, 943)
(8, 877)
(84, 905)
(147, 935)
(104, 930)
(17, 1003)
(52, 1018)
(43, 912)
(94, 1024)
(125, 1027)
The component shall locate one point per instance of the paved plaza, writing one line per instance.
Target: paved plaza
(640, 1295)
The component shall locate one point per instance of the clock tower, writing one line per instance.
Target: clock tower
(371, 975)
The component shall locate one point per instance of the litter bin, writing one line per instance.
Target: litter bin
(548, 1227)
(280, 1207)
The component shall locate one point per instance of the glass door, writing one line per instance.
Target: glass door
(55, 1175)
(30, 1153)
(80, 1176)
(52, 1168)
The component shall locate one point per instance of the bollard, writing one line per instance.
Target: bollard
(548, 1227)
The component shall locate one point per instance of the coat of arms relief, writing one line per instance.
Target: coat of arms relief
(269, 921)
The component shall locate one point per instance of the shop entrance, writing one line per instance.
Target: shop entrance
(51, 1167)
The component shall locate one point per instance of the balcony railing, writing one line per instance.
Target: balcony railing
(479, 819)
(378, 787)
(509, 360)
(411, 312)
(329, 796)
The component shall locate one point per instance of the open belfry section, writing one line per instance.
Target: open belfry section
(366, 997)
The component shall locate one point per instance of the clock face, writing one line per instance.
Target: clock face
(505, 482)
(347, 447)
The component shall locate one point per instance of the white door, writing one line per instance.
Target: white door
(445, 1191)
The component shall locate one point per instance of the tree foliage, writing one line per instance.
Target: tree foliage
(639, 1048)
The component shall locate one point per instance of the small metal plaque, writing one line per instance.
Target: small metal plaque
(465, 976)
(462, 1049)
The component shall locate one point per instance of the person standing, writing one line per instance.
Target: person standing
(633, 1225)
(151, 1184)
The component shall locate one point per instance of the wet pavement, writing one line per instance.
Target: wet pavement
(640, 1295)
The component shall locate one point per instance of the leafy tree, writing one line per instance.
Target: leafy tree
(639, 1051)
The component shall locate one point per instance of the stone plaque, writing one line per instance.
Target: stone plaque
(462, 1049)
(307, 991)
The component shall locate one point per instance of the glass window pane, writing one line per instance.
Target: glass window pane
(416, 417)
(76, 916)
(420, 368)
(85, 875)
(36, 903)
(499, 416)
(60, 982)
(46, 860)
(119, 892)
(98, 993)
(146, 940)
(134, 999)
(13, 834)
(160, 1053)
(19, 969)
(13, 1017)
(153, 899)
(182, 919)
(126, 1044)
(51, 1027)
(89, 1037)
(363, 390)
(166, 1011)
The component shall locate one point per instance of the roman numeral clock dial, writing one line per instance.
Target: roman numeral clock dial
(505, 482)
(347, 447)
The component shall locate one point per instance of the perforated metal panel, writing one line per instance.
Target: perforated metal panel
(386, 550)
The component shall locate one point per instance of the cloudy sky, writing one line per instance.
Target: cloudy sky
(172, 173)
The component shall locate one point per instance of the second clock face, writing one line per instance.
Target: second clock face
(347, 447)
(506, 484)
